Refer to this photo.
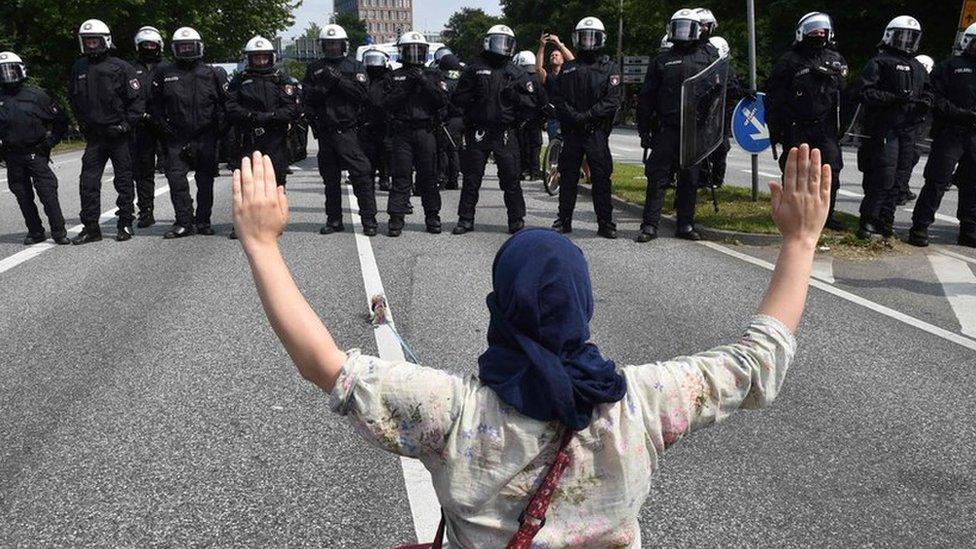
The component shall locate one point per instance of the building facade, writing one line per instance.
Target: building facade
(385, 20)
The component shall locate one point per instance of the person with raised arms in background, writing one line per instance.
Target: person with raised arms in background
(547, 408)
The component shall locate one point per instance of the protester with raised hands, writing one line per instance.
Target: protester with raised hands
(546, 408)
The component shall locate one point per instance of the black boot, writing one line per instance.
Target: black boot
(834, 224)
(369, 225)
(91, 233)
(515, 225)
(687, 232)
(395, 227)
(32, 239)
(233, 234)
(607, 231)
(563, 226)
(646, 234)
(61, 239)
(918, 236)
(868, 231)
(146, 219)
(463, 227)
(433, 225)
(179, 231)
(206, 229)
(332, 227)
(124, 233)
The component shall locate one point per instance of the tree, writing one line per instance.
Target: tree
(355, 29)
(465, 31)
(313, 31)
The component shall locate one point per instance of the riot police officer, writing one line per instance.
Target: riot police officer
(954, 144)
(894, 92)
(30, 125)
(451, 124)
(374, 133)
(531, 126)
(587, 95)
(149, 54)
(659, 124)
(188, 102)
(803, 97)
(909, 153)
(493, 94)
(104, 94)
(336, 90)
(261, 103)
(414, 96)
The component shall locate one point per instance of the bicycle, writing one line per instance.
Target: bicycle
(550, 162)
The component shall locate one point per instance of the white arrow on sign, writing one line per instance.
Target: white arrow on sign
(751, 119)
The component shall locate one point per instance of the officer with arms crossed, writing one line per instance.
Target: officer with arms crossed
(803, 97)
(659, 107)
(30, 125)
(261, 103)
(105, 96)
(374, 132)
(494, 95)
(413, 97)
(954, 143)
(894, 92)
(336, 89)
(149, 54)
(587, 95)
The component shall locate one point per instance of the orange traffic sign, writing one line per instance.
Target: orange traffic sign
(968, 15)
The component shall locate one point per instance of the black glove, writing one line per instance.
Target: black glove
(44, 147)
(188, 154)
(117, 130)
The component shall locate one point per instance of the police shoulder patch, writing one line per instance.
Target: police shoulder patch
(530, 86)
(289, 89)
(614, 79)
(134, 83)
(360, 77)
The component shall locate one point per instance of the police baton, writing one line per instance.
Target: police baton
(448, 135)
(775, 153)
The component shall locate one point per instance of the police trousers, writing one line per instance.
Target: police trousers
(99, 150)
(595, 147)
(28, 173)
(478, 145)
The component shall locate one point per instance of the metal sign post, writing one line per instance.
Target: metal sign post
(751, 19)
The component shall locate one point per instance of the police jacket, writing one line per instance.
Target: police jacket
(451, 78)
(544, 108)
(104, 92)
(27, 114)
(374, 117)
(262, 100)
(954, 90)
(587, 93)
(894, 91)
(188, 99)
(335, 93)
(660, 96)
(494, 95)
(804, 89)
(414, 95)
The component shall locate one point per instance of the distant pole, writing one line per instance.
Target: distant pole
(751, 20)
(620, 45)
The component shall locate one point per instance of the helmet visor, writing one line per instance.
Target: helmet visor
(334, 49)
(441, 52)
(93, 43)
(11, 73)
(815, 23)
(906, 39)
(188, 49)
(684, 30)
(589, 39)
(261, 60)
(501, 44)
(374, 59)
(413, 54)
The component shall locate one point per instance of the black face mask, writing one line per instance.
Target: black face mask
(814, 43)
(375, 72)
(149, 56)
(496, 60)
(587, 56)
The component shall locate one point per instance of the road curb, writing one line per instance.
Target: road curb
(708, 233)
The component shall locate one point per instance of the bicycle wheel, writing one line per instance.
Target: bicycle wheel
(551, 163)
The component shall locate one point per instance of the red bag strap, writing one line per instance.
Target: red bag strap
(533, 518)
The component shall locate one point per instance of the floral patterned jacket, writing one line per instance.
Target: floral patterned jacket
(485, 458)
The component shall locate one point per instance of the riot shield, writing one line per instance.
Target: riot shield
(703, 112)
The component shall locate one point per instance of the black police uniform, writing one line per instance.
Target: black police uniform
(261, 105)
(954, 144)
(894, 91)
(30, 125)
(450, 132)
(659, 109)
(144, 145)
(336, 90)
(106, 99)
(374, 130)
(188, 102)
(586, 95)
(493, 94)
(530, 131)
(803, 96)
(413, 97)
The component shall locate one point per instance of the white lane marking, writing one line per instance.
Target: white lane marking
(297, 168)
(845, 192)
(35, 250)
(626, 149)
(420, 490)
(764, 174)
(823, 268)
(960, 257)
(953, 337)
(959, 285)
(940, 217)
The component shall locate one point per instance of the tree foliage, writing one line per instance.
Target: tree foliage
(465, 31)
(43, 32)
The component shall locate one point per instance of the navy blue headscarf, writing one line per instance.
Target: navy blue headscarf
(539, 359)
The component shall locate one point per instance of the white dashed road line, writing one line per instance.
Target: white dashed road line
(823, 268)
(959, 285)
(420, 490)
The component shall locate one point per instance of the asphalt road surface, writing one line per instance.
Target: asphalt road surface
(145, 401)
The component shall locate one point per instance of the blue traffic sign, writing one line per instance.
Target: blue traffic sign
(749, 124)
